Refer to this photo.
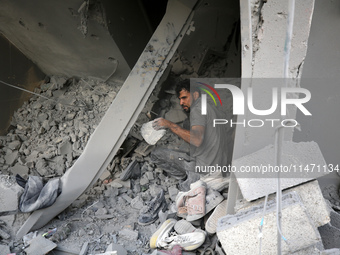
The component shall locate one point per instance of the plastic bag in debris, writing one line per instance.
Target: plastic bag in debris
(37, 195)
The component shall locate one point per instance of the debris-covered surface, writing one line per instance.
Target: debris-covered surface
(47, 136)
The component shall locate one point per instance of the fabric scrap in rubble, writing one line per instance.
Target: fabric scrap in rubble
(37, 195)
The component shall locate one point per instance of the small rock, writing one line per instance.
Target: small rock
(149, 175)
(129, 234)
(11, 158)
(127, 198)
(101, 211)
(137, 203)
(144, 180)
(14, 145)
(173, 191)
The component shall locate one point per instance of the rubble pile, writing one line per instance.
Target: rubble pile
(47, 136)
(134, 201)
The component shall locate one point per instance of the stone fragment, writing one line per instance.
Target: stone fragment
(4, 249)
(4, 235)
(40, 246)
(10, 193)
(15, 145)
(127, 198)
(105, 175)
(144, 180)
(84, 249)
(173, 191)
(101, 211)
(116, 247)
(80, 202)
(151, 135)
(129, 234)
(65, 148)
(137, 203)
(19, 169)
(149, 175)
(117, 183)
(11, 157)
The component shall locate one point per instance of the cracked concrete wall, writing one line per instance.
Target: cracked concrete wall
(321, 75)
(64, 37)
(263, 39)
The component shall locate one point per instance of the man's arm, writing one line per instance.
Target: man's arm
(194, 136)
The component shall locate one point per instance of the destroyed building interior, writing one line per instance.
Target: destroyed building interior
(80, 81)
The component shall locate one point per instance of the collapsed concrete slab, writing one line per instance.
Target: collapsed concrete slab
(311, 197)
(257, 172)
(10, 193)
(239, 233)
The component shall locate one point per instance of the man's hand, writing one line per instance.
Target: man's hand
(161, 123)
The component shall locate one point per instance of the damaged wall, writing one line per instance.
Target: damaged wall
(321, 75)
(263, 59)
(70, 38)
(17, 69)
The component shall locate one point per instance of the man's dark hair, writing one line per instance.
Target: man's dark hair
(185, 85)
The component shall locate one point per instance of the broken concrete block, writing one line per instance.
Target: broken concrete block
(149, 175)
(129, 234)
(4, 249)
(255, 184)
(311, 197)
(105, 175)
(239, 233)
(40, 246)
(10, 193)
(84, 249)
(151, 135)
(116, 247)
(144, 180)
(65, 148)
(127, 198)
(144, 149)
(19, 169)
(117, 183)
(11, 157)
(15, 145)
(137, 203)
(4, 234)
(173, 191)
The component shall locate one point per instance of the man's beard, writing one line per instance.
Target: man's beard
(187, 111)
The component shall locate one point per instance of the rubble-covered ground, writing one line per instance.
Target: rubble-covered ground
(48, 134)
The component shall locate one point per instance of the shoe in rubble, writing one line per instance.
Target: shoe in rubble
(188, 242)
(149, 214)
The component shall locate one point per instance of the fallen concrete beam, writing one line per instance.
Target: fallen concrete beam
(239, 233)
(122, 114)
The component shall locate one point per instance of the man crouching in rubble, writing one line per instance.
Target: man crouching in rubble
(207, 143)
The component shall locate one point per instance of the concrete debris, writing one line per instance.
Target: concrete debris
(150, 135)
(4, 249)
(40, 246)
(240, 232)
(10, 193)
(116, 247)
(129, 234)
